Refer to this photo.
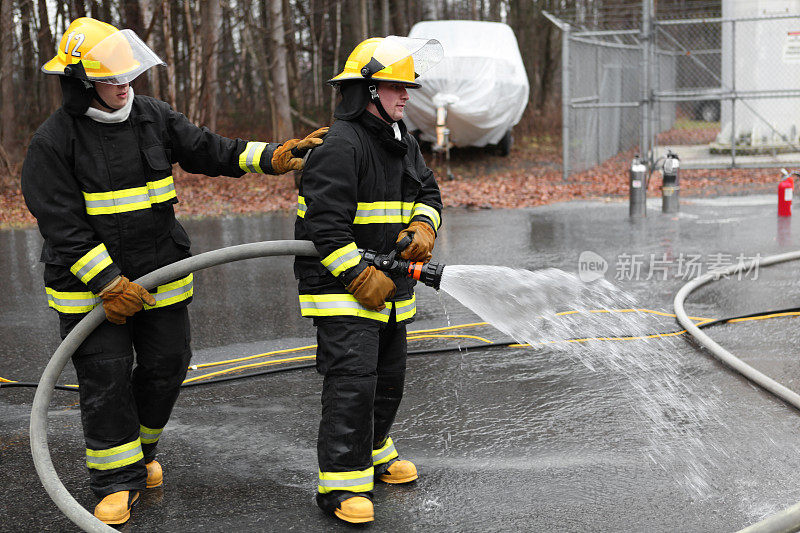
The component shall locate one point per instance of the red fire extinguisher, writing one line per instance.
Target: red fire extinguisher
(785, 190)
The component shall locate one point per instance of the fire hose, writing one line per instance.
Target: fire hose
(789, 519)
(429, 273)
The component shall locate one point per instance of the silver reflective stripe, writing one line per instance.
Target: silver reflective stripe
(378, 212)
(344, 483)
(169, 187)
(111, 202)
(339, 261)
(331, 305)
(376, 459)
(149, 435)
(407, 306)
(121, 456)
(55, 300)
(85, 269)
(161, 296)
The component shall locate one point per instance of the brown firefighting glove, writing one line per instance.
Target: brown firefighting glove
(372, 288)
(421, 246)
(289, 155)
(122, 298)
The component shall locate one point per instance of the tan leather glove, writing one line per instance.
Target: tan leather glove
(122, 298)
(421, 246)
(372, 288)
(289, 155)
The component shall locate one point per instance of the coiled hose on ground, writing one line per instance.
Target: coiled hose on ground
(41, 401)
(787, 520)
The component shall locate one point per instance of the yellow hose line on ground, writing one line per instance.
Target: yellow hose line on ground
(650, 311)
(422, 334)
(446, 328)
(653, 336)
(776, 315)
(252, 365)
(301, 358)
(418, 337)
(249, 357)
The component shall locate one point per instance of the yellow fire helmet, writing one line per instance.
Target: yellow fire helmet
(392, 59)
(107, 54)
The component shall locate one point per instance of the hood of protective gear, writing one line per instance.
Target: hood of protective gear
(355, 97)
(112, 117)
(76, 95)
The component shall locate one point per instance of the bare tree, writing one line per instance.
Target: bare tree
(282, 119)
(169, 48)
(7, 108)
(336, 48)
(47, 49)
(210, 16)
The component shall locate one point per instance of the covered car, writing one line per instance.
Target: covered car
(481, 80)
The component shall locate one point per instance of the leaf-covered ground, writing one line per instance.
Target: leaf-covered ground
(529, 176)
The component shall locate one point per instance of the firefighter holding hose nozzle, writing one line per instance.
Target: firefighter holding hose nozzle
(366, 188)
(98, 178)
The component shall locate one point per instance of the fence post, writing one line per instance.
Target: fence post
(644, 148)
(733, 90)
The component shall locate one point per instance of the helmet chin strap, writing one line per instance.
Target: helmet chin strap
(100, 100)
(373, 94)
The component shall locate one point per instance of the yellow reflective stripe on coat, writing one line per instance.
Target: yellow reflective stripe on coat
(172, 293)
(301, 207)
(88, 266)
(133, 199)
(250, 158)
(353, 481)
(383, 213)
(385, 453)
(149, 435)
(340, 260)
(83, 302)
(339, 305)
(428, 211)
(115, 457)
(71, 302)
(405, 309)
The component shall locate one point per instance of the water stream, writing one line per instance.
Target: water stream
(560, 315)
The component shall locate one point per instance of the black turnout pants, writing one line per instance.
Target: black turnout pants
(124, 408)
(364, 364)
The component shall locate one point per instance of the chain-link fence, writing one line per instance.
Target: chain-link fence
(721, 92)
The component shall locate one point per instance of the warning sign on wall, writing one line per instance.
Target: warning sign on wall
(791, 50)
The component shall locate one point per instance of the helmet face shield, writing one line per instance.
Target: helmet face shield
(395, 50)
(391, 59)
(119, 59)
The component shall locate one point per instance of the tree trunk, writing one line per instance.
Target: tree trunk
(47, 49)
(194, 54)
(386, 17)
(210, 16)
(294, 70)
(364, 21)
(337, 44)
(150, 7)
(280, 89)
(166, 9)
(8, 133)
(26, 17)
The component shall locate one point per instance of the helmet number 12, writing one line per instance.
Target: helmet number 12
(78, 38)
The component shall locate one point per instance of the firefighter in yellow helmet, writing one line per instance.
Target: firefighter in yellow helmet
(98, 179)
(365, 188)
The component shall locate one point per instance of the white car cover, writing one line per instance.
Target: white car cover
(481, 76)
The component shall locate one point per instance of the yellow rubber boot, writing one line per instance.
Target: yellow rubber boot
(116, 507)
(356, 510)
(155, 475)
(401, 471)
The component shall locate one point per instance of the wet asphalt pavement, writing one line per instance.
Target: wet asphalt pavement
(506, 439)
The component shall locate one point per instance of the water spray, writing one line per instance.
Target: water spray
(429, 273)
